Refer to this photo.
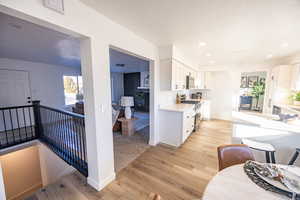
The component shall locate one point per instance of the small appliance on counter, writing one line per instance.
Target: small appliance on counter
(197, 95)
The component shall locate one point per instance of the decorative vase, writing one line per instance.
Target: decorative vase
(296, 103)
(127, 112)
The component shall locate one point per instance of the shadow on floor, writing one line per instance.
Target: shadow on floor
(128, 148)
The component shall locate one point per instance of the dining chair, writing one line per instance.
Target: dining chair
(233, 154)
(262, 146)
(295, 156)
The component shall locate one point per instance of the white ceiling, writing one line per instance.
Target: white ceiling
(235, 31)
(23, 40)
(131, 63)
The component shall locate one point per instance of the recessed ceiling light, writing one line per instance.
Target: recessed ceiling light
(269, 56)
(212, 62)
(284, 44)
(202, 44)
(208, 54)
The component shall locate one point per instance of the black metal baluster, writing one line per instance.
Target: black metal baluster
(70, 137)
(59, 132)
(76, 140)
(61, 127)
(30, 121)
(18, 123)
(83, 138)
(5, 129)
(62, 141)
(25, 123)
(51, 131)
(12, 126)
(73, 141)
(77, 126)
(67, 141)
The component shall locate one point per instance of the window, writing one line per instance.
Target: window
(73, 89)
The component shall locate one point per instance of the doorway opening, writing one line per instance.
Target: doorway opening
(46, 69)
(130, 92)
(252, 91)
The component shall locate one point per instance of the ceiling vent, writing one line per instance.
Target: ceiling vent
(56, 5)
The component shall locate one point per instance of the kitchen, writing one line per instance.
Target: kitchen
(188, 100)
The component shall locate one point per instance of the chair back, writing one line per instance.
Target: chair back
(233, 154)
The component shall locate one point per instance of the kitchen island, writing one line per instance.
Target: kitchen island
(285, 137)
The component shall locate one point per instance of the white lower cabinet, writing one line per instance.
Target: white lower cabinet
(176, 126)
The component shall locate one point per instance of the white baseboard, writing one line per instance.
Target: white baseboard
(105, 182)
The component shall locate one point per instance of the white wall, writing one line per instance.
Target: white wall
(46, 81)
(225, 89)
(97, 34)
(52, 167)
(223, 94)
(117, 86)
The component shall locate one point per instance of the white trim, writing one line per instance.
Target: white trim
(19, 147)
(104, 183)
(2, 187)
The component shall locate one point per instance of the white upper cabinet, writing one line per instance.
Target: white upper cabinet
(203, 80)
(173, 76)
(295, 77)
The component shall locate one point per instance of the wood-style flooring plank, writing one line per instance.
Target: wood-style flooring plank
(175, 174)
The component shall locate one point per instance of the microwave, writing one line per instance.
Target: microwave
(190, 82)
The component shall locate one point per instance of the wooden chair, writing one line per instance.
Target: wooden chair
(233, 154)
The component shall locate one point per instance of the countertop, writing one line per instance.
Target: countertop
(289, 108)
(266, 121)
(182, 107)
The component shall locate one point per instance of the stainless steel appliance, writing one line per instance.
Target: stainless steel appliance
(197, 95)
(190, 82)
(197, 108)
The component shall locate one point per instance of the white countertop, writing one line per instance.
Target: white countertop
(266, 121)
(177, 107)
(289, 108)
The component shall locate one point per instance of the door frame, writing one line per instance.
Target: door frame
(152, 134)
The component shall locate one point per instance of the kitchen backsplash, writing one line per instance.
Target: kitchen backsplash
(169, 97)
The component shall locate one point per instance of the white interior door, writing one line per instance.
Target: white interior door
(14, 91)
(14, 87)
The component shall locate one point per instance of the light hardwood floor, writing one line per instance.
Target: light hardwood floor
(175, 174)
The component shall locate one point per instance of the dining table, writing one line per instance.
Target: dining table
(232, 183)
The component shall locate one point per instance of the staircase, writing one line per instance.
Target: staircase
(70, 187)
(63, 132)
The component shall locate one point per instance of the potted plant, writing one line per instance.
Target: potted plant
(258, 90)
(296, 98)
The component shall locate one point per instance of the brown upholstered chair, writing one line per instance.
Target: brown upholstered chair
(233, 154)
